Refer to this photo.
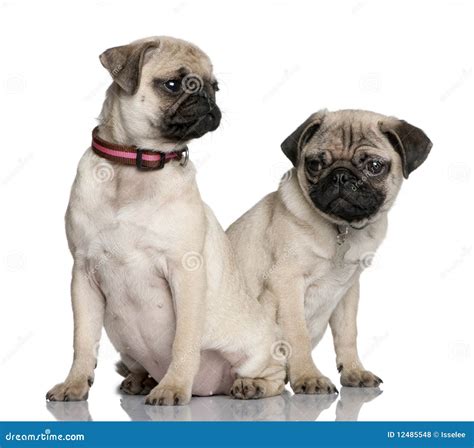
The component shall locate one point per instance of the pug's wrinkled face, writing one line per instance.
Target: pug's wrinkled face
(350, 164)
(166, 89)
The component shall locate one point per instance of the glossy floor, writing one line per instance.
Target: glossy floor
(345, 406)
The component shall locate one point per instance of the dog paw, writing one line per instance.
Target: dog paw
(137, 384)
(148, 384)
(359, 378)
(168, 396)
(248, 388)
(77, 390)
(313, 385)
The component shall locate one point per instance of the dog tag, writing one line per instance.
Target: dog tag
(341, 250)
(342, 246)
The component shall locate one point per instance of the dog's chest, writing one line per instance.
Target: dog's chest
(325, 288)
(331, 277)
(132, 220)
(123, 239)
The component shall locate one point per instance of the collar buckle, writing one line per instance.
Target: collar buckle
(139, 161)
(185, 157)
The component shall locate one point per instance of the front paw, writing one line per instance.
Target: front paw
(70, 390)
(168, 396)
(359, 378)
(313, 385)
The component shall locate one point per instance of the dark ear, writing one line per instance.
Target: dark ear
(410, 142)
(293, 144)
(124, 64)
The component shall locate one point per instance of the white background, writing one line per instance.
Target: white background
(277, 62)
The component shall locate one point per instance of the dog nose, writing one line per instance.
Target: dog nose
(201, 94)
(341, 176)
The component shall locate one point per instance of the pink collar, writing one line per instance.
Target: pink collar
(143, 159)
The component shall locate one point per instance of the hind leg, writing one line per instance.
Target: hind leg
(137, 380)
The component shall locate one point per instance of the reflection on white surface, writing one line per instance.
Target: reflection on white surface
(69, 410)
(351, 401)
(282, 407)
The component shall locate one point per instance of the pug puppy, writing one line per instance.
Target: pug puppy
(151, 263)
(302, 248)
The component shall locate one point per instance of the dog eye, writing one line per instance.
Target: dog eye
(215, 86)
(313, 166)
(375, 167)
(172, 85)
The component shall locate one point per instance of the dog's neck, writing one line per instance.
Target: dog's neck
(113, 129)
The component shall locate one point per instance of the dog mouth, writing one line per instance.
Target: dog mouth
(203, 124)
(193, 121)
(347, 205)
(347, 210)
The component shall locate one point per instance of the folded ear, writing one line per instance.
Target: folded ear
(410, 142)
(124, 64)
(293, 144)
